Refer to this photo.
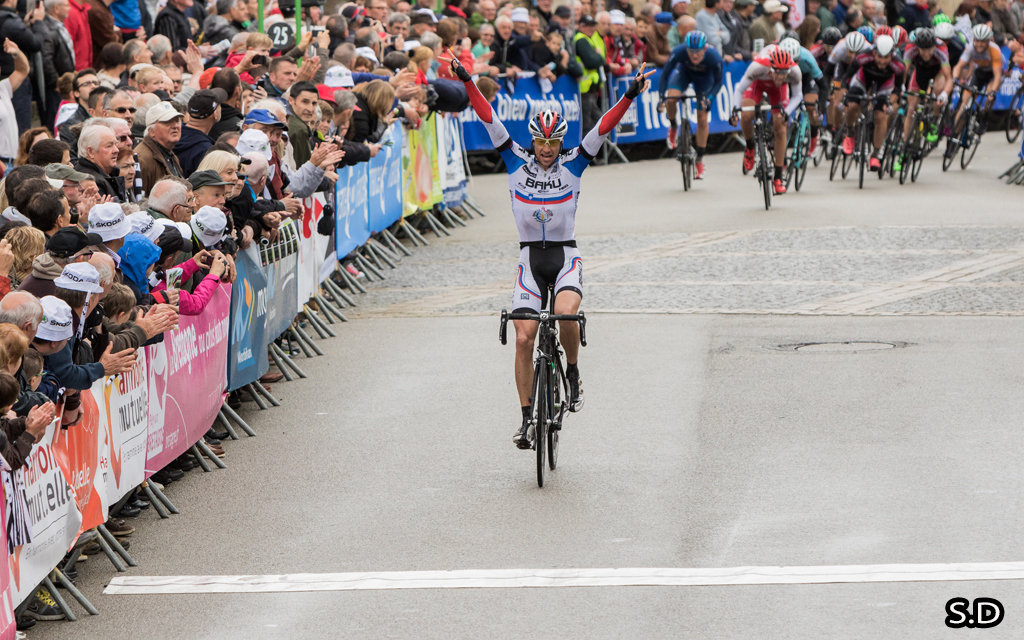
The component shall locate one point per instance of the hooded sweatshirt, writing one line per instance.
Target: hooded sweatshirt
(138, 254)
(44, 271)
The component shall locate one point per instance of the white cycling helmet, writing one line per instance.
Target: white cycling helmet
(945, 31)
(855, 42)
(982, 32)
(884, 45)
(791, 46)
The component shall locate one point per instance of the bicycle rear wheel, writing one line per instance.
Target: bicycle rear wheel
(764, 171)
(542, 413)
(973, 141)
(862, 152)
(1013, 116)
(803, 159)
(836, 153)
(953, 142)
(684, 154)
(919, 150)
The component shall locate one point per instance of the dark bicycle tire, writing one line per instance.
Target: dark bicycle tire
(893, 144)
(968, 152)
(801, 170)
(920, 150)
(862, 152)
(556, 405)
(1013, 116)
(953, 142)
(837, 151)
(764, 172)
(540, 436)
(684, 158)
(848, 160)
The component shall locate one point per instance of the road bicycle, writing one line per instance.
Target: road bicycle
(764, 139)
(892, 146)
(836, 150)
(864, 135)
(550, 398)
(685, 151)
(916, 147)
(966, 135)
(798, 147)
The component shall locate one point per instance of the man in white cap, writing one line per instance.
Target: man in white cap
(622, 56)
(521, 21)
(208, 228)
(156, 153)
(107, 220)
(79, 286)
(144, 223)
(764, 28)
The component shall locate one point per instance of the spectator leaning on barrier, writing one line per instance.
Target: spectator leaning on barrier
(156, 155)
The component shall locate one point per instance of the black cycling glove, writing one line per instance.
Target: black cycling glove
(461, 72)
(635, 87)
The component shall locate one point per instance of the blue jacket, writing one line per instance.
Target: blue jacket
(914, 16)
(69, 374)
(711, 64)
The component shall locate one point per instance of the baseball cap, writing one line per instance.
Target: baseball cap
(426, 12)
(56, 323)
(339, 78)
(326, 93)
(161, 112)
(774, 6)
(79, 276)
(367, 53)
(520, 14)
(264, 116)
(617, 16)
(675, 2)
(207, 77)
(108, 221)
(204, 102)
(209, 224)
(69, 241)
(181, 227)
(587, 21)
(563, 11)
(144, 223)
(254, 140)
(57, 171)
(207, 178)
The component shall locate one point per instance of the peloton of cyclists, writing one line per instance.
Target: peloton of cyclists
(812, 81)
(773, 74)
(875, 71)
(691, 63)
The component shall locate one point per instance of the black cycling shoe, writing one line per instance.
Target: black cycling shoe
(522, 437)
(575, 390)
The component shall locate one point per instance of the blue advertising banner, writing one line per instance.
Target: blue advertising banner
(247, 355)
(644, 123)
(280, 268)
(385, 183)
(515, 110)
(350, 197)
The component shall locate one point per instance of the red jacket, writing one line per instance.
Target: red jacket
(77, 24)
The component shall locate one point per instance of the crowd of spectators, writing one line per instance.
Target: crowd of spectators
(174, 133)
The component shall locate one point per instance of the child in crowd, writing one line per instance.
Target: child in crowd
(119, 304)
(19, 434)
(32, 366)
(323, 126)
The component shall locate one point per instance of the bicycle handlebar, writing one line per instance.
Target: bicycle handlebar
(543, 316)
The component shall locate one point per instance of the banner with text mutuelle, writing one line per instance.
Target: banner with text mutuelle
(517, 102)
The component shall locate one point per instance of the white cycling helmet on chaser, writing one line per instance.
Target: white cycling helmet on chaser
(884, 45)
(791, 46)
(549, 125)
(945, 31)
(855, 42)
(982, 32)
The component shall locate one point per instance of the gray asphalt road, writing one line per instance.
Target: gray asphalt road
(702, 444)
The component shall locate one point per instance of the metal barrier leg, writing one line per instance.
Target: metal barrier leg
(413, 232)
(302, 345)
(351, 282)
(157, 504)
(280, 357)
(371, 256)
(111, 554)
(385, 250)
(163, 498)
(266, 394)
(405, 228)
(63, 606)
(338, 293)
(116, 546)
(194, 450)
(453, 217)
(365, 265)
(238, 419)
(227, 425)
(256, 398)
(309, 341)
(82, 600)
(205, 449)
(313, 323)
(330, 309)
(465, 210)
(435, 226)
(472, 203)
(395, 243)
(318, 323)
(381, 253)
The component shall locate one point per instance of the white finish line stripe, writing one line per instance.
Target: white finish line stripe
(511, 578)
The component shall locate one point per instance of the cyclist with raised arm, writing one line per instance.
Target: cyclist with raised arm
(544, 185)
(812, 81)
(927, 61)
(986, 60)
(691, 63)
(878, 71)
(769, 75)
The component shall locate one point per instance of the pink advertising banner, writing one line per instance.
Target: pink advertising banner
(8, 626)
(187, 380)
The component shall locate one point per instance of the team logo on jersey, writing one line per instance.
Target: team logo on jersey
(543, 215)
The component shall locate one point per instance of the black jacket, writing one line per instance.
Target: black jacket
(12, 26)
(57, 58)
(191, 148)
(230, 120)
(174, 24)
(106, 184)
(514, 51)
(364, 124)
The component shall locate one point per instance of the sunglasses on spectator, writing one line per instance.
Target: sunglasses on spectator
(124, 138)
(547, 142)
(125, 109)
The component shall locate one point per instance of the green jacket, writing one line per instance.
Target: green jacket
(298, 137)
(828, 19)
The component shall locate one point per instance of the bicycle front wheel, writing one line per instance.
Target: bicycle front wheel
(973, 140)
(684, 154)
(542, 414)
(764, 171)
(862, 152)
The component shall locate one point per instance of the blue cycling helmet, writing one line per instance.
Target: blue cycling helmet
(868, 33)
(696, 40)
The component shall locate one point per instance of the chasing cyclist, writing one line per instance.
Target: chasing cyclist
(986, 60)
(812, 82)
(842, 57)
(768, 75)
(877, 70)
(544, 184)
(928, 62)
(947, 33)
(691, 63)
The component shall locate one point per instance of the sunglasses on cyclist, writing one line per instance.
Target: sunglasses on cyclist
(547, 142)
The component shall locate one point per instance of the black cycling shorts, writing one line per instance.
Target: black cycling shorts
(558, 266)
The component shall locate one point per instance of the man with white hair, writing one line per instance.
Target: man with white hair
(160, 48)
(169, 200)
(22, 309)
(156, 153)
(137, 52)
(97, 157)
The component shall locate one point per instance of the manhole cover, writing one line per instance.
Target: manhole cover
(849, 346)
